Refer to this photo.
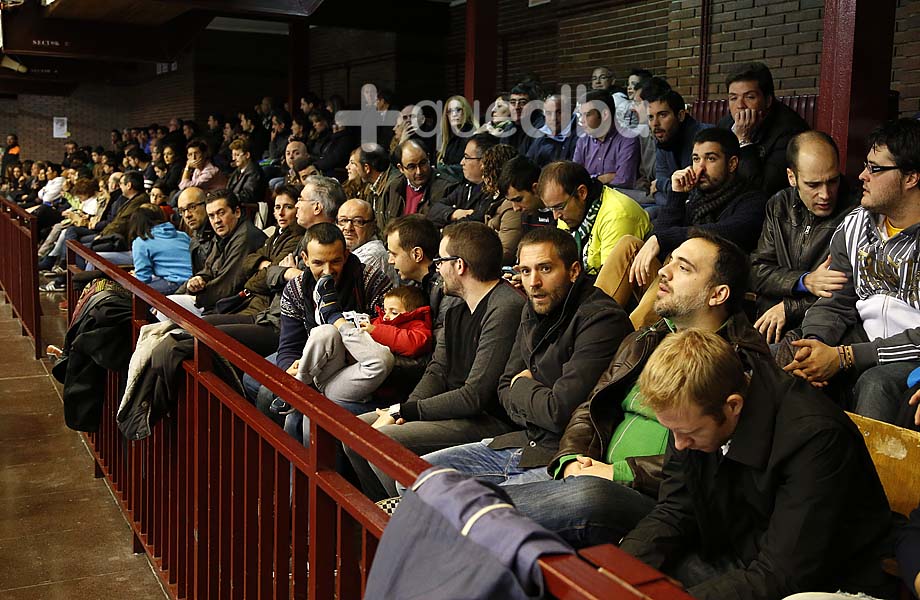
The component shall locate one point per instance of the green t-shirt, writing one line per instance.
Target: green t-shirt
(638, 434)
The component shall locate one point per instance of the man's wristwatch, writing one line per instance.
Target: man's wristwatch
(393, 411)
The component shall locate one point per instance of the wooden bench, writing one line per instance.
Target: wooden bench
(710, 111)
(895, 451)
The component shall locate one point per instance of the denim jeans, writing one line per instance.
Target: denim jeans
(585, 510)
(501, 467)
(118, 258)
(421, 437)
(880, 390)
(164, 286)
(298, 425)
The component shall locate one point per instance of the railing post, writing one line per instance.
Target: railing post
(19, 271)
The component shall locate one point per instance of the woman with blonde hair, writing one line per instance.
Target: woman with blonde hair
(457, 125)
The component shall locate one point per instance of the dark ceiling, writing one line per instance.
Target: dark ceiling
(71, 41)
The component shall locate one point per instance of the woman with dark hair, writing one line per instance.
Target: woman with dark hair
(321, 135)
(300, 128)
(334, 104)
(13, 180)
(175, 166)
(501, 215)
(161, 254)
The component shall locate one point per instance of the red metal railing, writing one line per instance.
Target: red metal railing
(19, 268)
(227, 505)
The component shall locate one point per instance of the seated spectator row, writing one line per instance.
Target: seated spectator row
(646, 336)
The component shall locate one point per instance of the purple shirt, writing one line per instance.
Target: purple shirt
(616, 154)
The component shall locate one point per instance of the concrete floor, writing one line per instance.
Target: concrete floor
(61, 533)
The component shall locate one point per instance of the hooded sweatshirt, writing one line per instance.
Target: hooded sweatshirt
(165, 255)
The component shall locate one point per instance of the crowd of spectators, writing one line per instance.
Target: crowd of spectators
(645, 328)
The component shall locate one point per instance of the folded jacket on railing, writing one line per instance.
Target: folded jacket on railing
(453, 536)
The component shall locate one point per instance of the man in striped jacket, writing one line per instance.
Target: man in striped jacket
(871, 327)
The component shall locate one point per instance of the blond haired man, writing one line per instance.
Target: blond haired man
(768, 487)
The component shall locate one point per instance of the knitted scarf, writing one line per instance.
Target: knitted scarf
(703, 208)
(582, 235)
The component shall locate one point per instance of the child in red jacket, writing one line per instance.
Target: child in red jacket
(348, 363)
(404, 324)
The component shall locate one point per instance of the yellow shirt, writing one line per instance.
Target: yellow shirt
(891, 231)
(619, 215)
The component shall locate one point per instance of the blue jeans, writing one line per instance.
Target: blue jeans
(501, 467)
(298, 425)
(585, 510)
(164, 286)
(251, 386)
(119, 258)
(880, 390)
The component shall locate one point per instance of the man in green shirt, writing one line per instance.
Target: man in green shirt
(607, 469)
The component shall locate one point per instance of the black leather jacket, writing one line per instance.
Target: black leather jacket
(793, 242)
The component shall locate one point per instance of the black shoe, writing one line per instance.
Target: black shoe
(279, 407)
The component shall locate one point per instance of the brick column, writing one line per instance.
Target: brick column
(481, 50)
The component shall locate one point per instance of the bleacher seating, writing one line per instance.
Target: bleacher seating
(710, 111)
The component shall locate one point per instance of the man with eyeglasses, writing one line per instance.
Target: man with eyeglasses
(869, 330)
(525, 116)
(319, 201)
(191, 207)
(419, 187)
(596, 215)
(468, 201)
(603, 79)
(356, 220)
(456, 401)
(790, 267)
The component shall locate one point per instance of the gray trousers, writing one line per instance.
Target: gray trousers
(345, 364)
(421, 437)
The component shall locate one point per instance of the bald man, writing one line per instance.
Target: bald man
(191, 207)
(790, 267)
(356, 220)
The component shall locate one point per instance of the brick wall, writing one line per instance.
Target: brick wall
(91, 111)
(784, 35)
(454, 68)
(562, 45)
(621, 37)
(905, 66)
(162, 97)
(226, 80)
(342, 60)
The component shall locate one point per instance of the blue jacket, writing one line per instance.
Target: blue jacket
(165, 255)
(676, 155)
(446, 541)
